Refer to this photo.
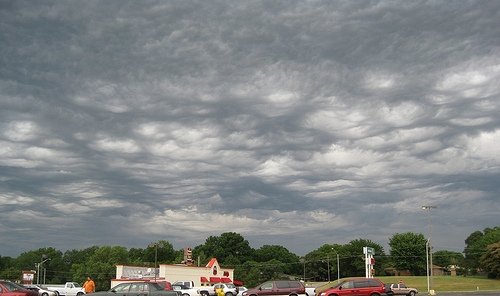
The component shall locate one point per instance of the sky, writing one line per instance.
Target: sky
(293, 123)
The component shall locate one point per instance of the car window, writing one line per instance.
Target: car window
(12, 286)
(267, 286)
(347, 285)
(122, 288)
(295, 284)
(374, 283)
(360, 284)
(282, 285)
(155, 286)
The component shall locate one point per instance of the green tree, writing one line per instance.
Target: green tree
(476, 245)
(53, 269)
(162, 249)
(275, 252)
(446, 258)
(136, 256)
(10, 273)
(221, 247)
(490, 260)
(101, 266)
(352, 260)
(408, 251)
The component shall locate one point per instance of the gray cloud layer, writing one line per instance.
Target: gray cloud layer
(291, 122)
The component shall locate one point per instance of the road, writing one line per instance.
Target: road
(474, 293)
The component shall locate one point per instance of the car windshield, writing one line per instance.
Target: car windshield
(13, 286)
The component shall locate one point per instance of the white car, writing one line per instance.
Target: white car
(241, 290)
(42, 291)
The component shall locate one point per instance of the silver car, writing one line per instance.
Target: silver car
(42, 291)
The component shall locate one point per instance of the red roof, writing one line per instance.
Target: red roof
(211, 262)
(214, 279)
(203, 279)
(225, 280)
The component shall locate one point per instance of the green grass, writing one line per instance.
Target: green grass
(441, 283)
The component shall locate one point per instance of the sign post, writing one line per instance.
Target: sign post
(369, 261)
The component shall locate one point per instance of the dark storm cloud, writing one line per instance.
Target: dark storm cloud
(290, 122)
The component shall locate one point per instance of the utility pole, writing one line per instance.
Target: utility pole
(428, 208)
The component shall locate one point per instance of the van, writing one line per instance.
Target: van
(277, 288)
(358, 287)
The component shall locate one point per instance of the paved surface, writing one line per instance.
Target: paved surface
(472, 293)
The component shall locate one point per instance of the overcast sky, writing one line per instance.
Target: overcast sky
(295, 123)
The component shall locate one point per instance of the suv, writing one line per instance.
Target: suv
(401, 289)
(229, 289)
(357, 286)
(271, 288)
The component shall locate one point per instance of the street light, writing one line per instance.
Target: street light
(39, 266)
(428, 249)
(155, 244)
(338, 268)
(328, 262)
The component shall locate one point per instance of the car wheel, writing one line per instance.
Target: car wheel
(412, 293)
(229, 294)
(185, 294)
(57, 293)
(79, 294)
(204, 293)
(45, 294)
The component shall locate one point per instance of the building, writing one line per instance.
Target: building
(208, 275)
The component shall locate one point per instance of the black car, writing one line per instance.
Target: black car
(137, 288)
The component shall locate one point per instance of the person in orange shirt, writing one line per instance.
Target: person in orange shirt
(89, 286)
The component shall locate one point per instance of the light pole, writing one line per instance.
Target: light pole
(303, 261)
(39, 266)
(338, 268)
(428, 208)
(328, 262)
(155, 244)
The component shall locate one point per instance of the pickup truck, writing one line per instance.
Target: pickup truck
(68, 289)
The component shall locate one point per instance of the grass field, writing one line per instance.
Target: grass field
(442, 283)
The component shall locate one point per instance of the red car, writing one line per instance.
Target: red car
(8, 288)
(358, 287)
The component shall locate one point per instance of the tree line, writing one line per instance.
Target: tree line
(253, 266)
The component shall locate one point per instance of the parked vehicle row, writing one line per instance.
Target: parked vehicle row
(352, 286)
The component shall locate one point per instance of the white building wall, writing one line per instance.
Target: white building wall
(173, 273)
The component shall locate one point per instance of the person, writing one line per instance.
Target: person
(89, 286)
(219, 291)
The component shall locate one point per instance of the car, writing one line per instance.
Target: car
(138, 288)
(241, 289)
(42, 291)
(8, 288)
(358, 287)
(282, 288)
(185, 290)
(166, 285)
(227, 288)
(402, 289)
